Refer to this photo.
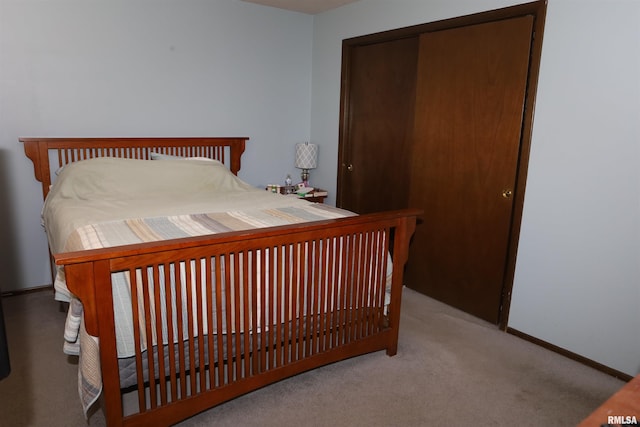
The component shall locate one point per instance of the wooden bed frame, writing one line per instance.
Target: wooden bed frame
(338, 283)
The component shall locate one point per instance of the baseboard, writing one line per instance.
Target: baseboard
(574, 356)
(27, 291)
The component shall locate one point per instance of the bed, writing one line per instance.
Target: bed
(188, 287)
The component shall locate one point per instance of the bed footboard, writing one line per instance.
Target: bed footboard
(214, 317)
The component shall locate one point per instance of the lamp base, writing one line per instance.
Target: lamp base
(304, 176)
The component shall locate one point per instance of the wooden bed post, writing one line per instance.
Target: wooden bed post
(83, 273)
(108, 353)
(37, 152)
(402, 237)
(236, 154)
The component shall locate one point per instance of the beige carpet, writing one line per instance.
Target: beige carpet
(451, 369)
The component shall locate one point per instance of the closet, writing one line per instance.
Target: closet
(438, 116)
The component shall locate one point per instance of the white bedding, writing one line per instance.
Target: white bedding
(107, 189)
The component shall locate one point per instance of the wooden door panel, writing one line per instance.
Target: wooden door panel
(471, 87)
(373, 174)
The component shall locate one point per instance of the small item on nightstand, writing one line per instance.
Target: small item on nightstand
(316, 195)
(303, 191)
(288, 189)
(273, 188)
(320, 193)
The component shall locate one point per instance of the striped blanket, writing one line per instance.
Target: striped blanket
(138, 230)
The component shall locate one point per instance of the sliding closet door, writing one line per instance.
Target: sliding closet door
(376, 131)
(470, 98)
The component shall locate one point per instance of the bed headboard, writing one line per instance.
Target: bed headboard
(50, 154)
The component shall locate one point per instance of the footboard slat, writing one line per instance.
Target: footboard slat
(213, 318)
(137, 338)
(218, 338)
(245, 305)
(158, 332)
(170, 336)
(189, 332)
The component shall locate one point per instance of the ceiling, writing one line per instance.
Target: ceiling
(305, 6)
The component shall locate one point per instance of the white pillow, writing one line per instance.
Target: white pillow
(160, 156)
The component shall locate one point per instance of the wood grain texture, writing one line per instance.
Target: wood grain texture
(624, 403)
(469, 111)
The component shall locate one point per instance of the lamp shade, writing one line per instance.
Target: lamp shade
(306, 156)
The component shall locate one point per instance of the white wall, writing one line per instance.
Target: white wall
(577, 282)
(143, 68)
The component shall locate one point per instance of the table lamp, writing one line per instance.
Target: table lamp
(306, 158)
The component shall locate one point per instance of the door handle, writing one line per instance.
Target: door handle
(349, 167)
(507, 193)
